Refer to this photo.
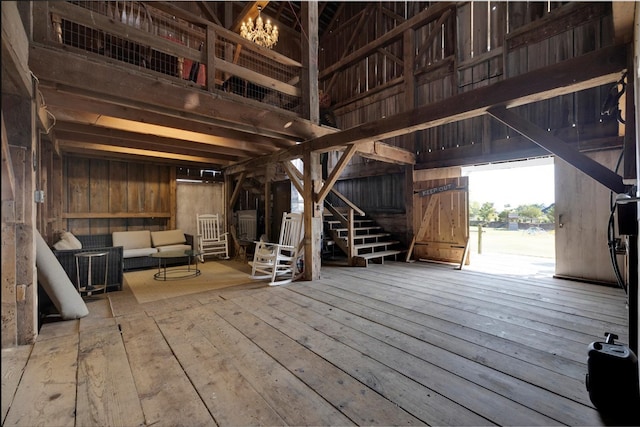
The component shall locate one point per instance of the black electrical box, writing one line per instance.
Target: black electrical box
(628, 219)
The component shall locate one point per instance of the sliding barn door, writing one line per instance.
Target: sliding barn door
(582, 214)
(441, 219)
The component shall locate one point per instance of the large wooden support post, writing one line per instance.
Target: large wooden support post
(312, 167)
(19, 116)
(228, 203)
(309, 77)
(351, 239)
(312, 216)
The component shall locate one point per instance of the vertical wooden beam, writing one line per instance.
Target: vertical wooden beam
(42, 24)
(351, 239)
(268, 203)
(211, 58)
(56, 192)
(173, 198)
(9, 326)
(227, 194)
(312, 179)
(309, 42)
(409, 57)
(486, 134)
(20, 117)
(312, 216)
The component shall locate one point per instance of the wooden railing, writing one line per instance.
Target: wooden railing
(161, 38)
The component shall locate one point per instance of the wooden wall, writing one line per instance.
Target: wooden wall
(101, 196)
(479, 44)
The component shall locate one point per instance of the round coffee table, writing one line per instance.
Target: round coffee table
(180, 272)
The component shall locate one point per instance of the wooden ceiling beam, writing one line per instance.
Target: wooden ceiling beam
(69, 99)
(89, 131)
(250, 10)
(586, 71)
(559, 148)
(151, 142)
(624, 13)
(130, 86)
(377, 150)
(209, 12)
(131, 153)
(107, 123)
(16, 78)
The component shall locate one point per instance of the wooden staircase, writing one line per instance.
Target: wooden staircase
(370, 241)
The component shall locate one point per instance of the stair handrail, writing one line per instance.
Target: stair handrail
(348, 202)
(344, 222)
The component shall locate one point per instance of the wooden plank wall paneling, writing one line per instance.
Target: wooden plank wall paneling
(479, 62)
(113, 189)
(135, 189)
(54, 197)
(99, 194)
(118, 194)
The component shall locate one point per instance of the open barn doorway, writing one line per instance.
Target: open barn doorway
(511, 217)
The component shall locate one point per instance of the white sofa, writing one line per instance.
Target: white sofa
(138, 245)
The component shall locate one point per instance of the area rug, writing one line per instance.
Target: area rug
(214, 275)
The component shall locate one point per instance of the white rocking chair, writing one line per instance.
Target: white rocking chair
(247, 226)
(210, 240)
(281, 262)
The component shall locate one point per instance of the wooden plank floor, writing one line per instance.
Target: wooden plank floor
(392, 344)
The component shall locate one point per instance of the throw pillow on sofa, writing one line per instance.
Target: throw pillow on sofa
(67, 241)
(167, 238)
(170, 240)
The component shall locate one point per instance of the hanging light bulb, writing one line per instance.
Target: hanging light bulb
(260, 33)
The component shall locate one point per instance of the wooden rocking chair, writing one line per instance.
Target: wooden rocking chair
(281, 262)
(210, 240)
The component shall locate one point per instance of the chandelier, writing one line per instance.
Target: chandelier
(263, 34)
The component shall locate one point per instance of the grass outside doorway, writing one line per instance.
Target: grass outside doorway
(520, 242)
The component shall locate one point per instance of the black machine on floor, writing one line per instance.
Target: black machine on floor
(612, 380)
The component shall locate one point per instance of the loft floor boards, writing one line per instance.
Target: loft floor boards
(392, 344)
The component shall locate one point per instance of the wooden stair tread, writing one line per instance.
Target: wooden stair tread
(380, 254)
(375, 244)
(371, 236)
(335, 221)
(377, 227)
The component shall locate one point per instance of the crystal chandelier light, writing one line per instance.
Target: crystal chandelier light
(263, 34)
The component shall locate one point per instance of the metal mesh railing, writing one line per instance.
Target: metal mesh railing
(146, 47)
